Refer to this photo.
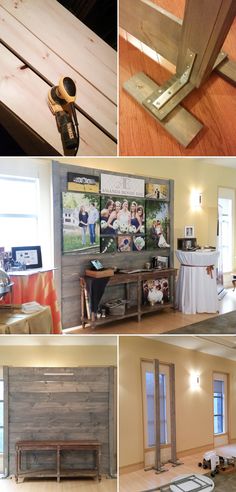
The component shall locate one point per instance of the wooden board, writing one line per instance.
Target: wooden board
(73, 407)
(180, 123)
(70, 39)
(25, 95)
(108, 272)
(50, 66)
(204, 30)
(214, 105)
(152, 25)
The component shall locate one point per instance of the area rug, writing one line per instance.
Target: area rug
(223, 324)
(224, 482)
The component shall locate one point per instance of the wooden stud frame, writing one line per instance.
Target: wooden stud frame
(203, 31)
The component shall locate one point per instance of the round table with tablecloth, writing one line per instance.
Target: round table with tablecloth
(196, 285)
(35, 285)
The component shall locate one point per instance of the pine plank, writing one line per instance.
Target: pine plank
(25, 94)
(70, 39)
(152, 25)
(44, 61)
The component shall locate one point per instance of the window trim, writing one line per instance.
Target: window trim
(164, 368)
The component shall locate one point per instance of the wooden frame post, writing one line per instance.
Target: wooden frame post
(194, 45)
(5, 429)
(205, 27)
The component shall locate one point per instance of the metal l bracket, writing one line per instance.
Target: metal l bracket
(167, 97)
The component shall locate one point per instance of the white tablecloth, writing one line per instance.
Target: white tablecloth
(196, 285)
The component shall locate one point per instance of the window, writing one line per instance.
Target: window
(18, 211)
(220, 412)
(149, 403)
(226, 219)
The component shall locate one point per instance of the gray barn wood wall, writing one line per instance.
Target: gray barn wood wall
(71, 266)
(65, 407)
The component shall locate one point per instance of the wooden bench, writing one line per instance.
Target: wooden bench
(40, 43)
(57, 447)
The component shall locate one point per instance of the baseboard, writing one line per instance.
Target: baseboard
(131, 468)
(200, 449)
(232, 441)
(180, 454)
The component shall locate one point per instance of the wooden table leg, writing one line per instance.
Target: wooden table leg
(17, 465)
(58, 463)
(139, 283)
(99, 465)
(82, 301)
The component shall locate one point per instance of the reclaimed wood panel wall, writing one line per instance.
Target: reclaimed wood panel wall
(71, 266)
(75, 403)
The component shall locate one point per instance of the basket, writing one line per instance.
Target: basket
(116, 307)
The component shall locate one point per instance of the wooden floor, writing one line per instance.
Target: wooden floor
(162, 322)
(106, 485)
(214, 104)
(141, 480)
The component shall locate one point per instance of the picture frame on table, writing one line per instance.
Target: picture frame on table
(189, 231)
(30, 256)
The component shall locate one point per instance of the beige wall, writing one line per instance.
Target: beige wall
(56, 356)
(188, 174)
(194, 416)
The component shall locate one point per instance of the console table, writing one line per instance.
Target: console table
(129, 280)
(57, 447)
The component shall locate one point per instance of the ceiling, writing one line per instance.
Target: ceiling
(219, 161)
(217, 345)
(64, 340)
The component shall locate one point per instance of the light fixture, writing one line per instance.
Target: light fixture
(196, 199)
(195, 380)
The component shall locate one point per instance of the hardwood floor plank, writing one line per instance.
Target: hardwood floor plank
(214, 105)
(43, 60)
(25, 94)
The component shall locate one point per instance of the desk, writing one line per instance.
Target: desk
(36, 285)
(57, 447)
(134, 280)
(14, 322)
(196, 285)
(34, 55)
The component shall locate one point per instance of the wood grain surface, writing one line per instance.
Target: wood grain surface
(44, 61)
(44, 407)
(25, 94)
(214, 104)
(70, 39)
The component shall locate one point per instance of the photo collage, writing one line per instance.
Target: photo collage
(118, 246)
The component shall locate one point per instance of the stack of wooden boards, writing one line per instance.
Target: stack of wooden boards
(40, 42)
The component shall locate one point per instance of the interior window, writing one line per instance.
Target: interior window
(220, 404)
(149, 403)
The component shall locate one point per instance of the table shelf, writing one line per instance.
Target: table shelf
(135, 311)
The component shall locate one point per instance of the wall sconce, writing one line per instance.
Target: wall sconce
(196, 199)
(195, 381)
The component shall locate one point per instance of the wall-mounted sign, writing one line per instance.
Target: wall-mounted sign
(112, 184)
(83, 183)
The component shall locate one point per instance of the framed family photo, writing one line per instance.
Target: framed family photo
(80, 216)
